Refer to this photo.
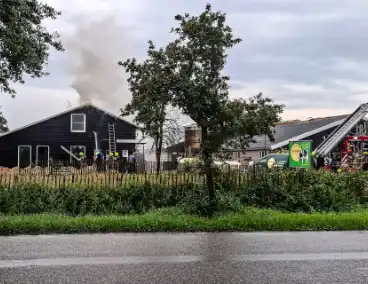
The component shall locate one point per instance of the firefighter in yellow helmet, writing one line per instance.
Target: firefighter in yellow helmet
(117, 161)
(81, 157)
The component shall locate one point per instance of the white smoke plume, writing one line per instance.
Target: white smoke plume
(93, 52)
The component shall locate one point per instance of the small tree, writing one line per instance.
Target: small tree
(150, 83)
(201, 89)
(24, 41)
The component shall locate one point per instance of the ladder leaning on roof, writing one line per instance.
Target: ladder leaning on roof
(341, 131)
(112, 138)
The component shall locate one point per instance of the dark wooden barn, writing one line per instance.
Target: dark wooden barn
(65, 135)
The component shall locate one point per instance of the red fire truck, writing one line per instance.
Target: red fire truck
(342, 149)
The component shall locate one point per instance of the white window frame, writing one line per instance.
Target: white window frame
(70, 149)
(263, 153)
(30, 154)
(122, 153)
(84, 123)
(48, 153)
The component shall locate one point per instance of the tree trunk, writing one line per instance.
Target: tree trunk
(160, 139)
(207, 157)
(158, 160)
(159, 143)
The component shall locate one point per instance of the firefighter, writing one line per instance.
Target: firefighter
(117, 161)
(131, 163)
(82, 159)
(81, 156)
(100, 161)
(109, 161)
(350, 148)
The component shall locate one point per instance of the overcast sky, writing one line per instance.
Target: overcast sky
(309, 55)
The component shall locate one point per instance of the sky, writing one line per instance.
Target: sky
(309, 55)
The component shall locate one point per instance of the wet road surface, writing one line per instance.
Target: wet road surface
(303, 257)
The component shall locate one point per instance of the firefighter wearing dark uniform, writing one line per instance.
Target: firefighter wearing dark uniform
(117, 161)
(131, 163)
(99, 161)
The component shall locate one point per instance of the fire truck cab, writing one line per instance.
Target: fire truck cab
(354, 152)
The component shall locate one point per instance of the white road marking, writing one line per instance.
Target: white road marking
(178, 259)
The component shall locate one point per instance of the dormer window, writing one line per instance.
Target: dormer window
(78, 122)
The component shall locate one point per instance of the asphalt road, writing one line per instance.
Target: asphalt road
(260, 258)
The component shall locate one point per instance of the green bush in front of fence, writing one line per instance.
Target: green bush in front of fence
(291, 191)
(306, 191)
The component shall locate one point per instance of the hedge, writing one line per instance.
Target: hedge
(299, 191)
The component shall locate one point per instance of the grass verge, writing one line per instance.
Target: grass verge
(171, 220)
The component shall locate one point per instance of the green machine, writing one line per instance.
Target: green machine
(300, 154)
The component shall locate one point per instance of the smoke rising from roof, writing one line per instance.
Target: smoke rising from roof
(93, 53)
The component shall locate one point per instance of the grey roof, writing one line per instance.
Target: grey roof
(288, 130)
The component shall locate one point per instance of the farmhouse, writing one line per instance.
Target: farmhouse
(65, 135)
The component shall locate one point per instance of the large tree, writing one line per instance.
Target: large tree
(201, 89)
(149, 83)
(24, 41)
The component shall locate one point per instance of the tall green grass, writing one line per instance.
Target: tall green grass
(174, 220)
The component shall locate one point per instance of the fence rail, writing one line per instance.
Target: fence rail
(62, 167)
(118, 179)
(90, 166)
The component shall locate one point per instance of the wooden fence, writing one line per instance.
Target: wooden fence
(118, 179)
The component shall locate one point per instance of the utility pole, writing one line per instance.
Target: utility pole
(265, 143)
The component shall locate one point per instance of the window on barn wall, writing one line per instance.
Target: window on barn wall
(24, 156)
(76, 150)
(78, 122)
(263, 153)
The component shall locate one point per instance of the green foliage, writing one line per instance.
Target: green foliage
(188, 74)
(79, 200)
(306, 191)
(24, 41)
(150, 83)
(190, 165)
(289, 191)
(3, 124)
(201, 89)
(198, 203)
